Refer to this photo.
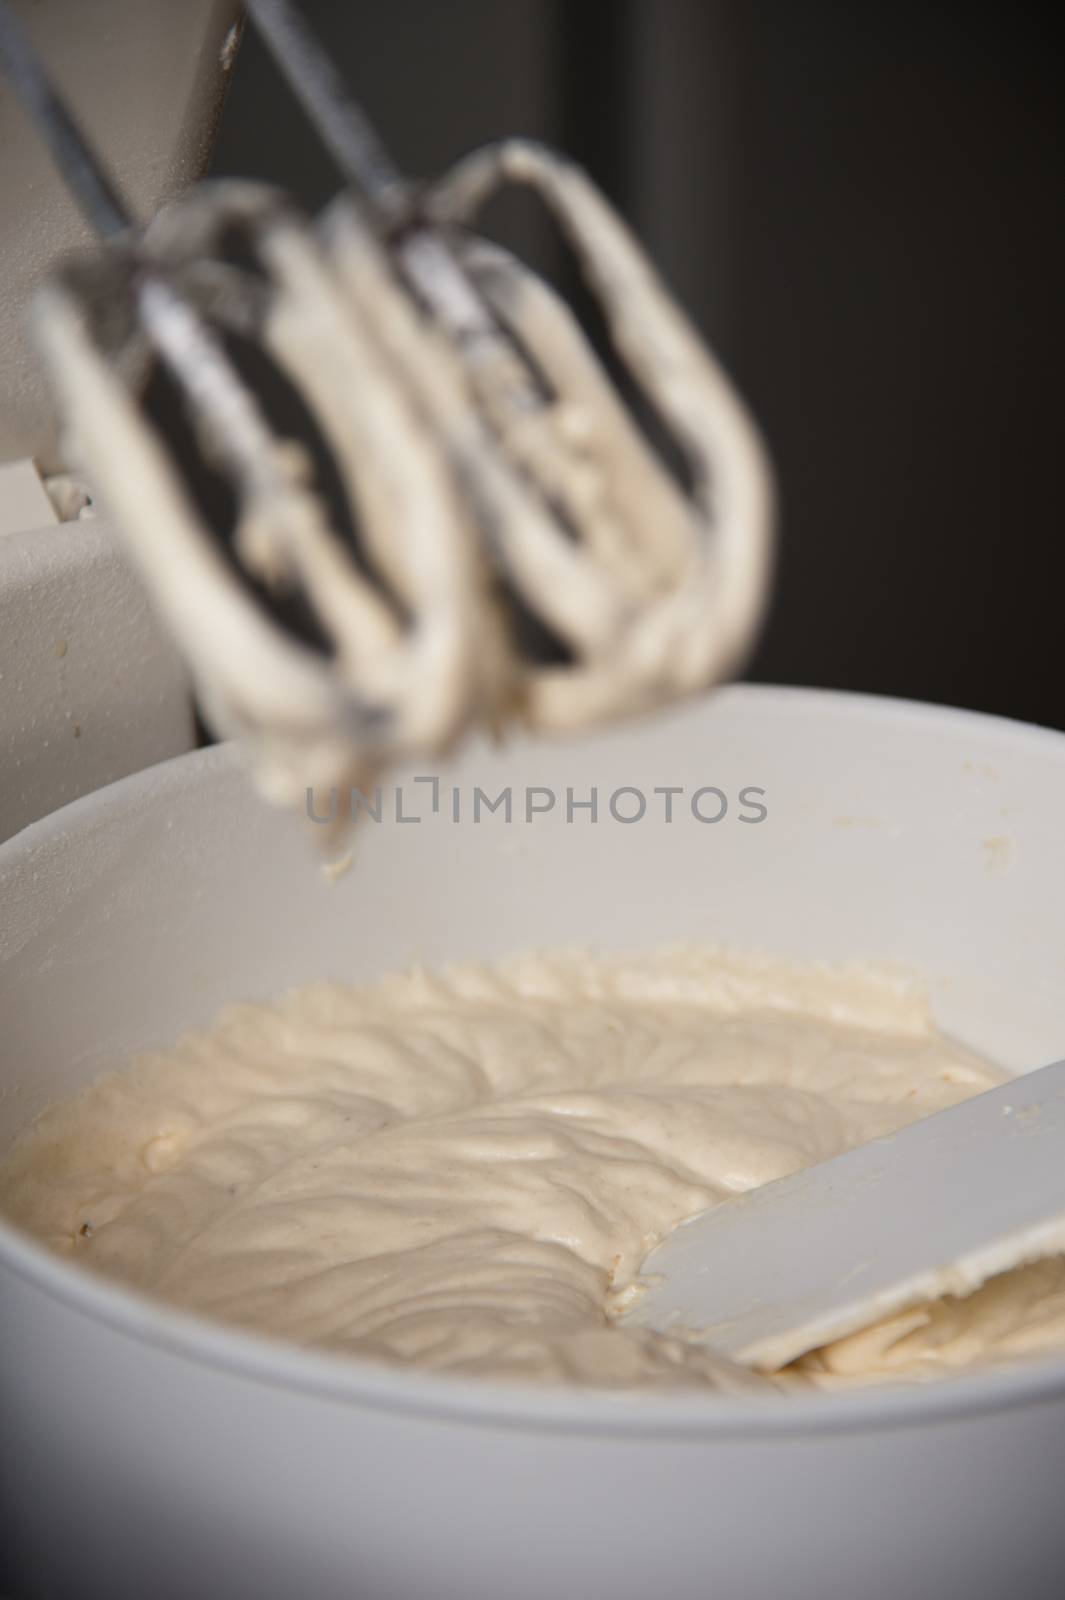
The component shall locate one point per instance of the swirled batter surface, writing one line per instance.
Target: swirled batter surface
(463, 1171)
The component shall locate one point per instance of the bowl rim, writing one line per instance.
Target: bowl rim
(355, 1382)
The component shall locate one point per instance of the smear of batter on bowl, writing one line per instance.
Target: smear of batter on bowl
(464, 1170)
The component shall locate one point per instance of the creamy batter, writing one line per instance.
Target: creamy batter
(463, 1171)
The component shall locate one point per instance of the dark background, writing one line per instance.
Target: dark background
(860, 205)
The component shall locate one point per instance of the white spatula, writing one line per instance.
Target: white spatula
(937, 1208)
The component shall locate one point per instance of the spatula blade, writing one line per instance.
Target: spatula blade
(936, 1208)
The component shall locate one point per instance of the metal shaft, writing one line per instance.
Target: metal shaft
(83, 172)
(178, 333)
(429, 266)
(323, 94)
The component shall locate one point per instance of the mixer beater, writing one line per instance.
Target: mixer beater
(372, 473)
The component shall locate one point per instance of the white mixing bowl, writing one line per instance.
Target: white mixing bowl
(143, 1451)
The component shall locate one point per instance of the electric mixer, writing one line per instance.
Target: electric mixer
(371, 472)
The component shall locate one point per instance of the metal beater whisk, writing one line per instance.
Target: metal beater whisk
(371, 471)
